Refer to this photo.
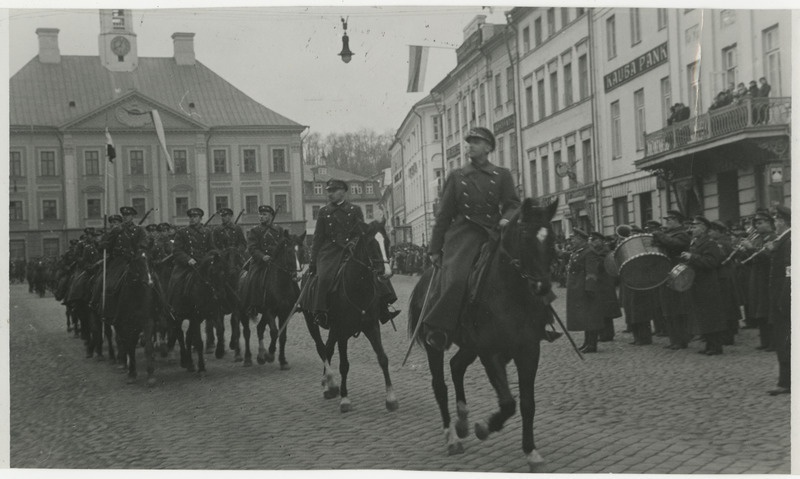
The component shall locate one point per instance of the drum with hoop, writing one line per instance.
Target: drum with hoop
(642, 264)
(680, 278)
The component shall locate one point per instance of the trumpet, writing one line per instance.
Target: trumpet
(751, 237)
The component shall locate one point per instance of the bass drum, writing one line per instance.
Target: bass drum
(643, 265)
(610, 265)
(680, 278)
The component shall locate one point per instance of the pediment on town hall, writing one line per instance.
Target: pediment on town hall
(133, 112)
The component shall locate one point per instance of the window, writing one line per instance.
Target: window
(356, 189)
(15, 164)
(314, 212)
(251, 204)
(181, 205)
(369, 188)
(573, 180)
(529, 103)
(369, 212)
(616, 133)
(16, 249)
(449, 121)
(588, 175)
(636, 27)
(583, 76)
(551, 22)
(136, 158)
(220, 161)
(501, 151)
(49, 210)
(317, 188)
(540, 93)
(512, 149)
(611, 38)
(639, 118)
(666, 100)
(534, 178)
(645, 207)
(464, 116)
(140, 205)
(220, 202)
(727, 18)
(93, 208)
(537, 31)
(695, 94)
(510, 84)
(437, 127)
(556, 162)
(772, 59)
(554, 90)
(91, 162)
(282, 203)
(621, 210)
(51, 248)
(249, 160)
(498, 91)
(568, 84)
(118, 19)
(47, 162)
(662, 18)
(545, 175)
(564, 17)
(15, 212)
(526, 39)
(180, 162)
(279, 160)
(482, 104)
(473, 107)
(729, 65)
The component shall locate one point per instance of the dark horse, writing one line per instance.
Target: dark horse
(280, 294)
(505, 323)
(206, 295)
(137, 308)
(354, 308)
(215, 330)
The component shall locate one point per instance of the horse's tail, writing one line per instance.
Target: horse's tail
(416, 301)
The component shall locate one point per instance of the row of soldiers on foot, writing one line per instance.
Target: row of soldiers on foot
(730, 272)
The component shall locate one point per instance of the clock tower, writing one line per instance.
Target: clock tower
(117, 41)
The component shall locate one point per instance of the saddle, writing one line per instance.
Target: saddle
(480, 268)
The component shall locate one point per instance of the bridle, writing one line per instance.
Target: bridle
(517, 232)
(351, 257)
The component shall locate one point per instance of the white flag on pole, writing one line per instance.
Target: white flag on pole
(162, 139)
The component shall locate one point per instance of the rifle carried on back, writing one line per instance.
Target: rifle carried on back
(145, 216)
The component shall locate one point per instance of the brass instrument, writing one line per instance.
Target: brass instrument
(752, 236)
(624, 231)
(764, 248)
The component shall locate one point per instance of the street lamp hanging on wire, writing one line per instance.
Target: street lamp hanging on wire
(346, 54)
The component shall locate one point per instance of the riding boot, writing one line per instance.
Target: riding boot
(591, 341)
(387, 315)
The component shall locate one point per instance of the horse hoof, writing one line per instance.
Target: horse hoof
(392, 406)
(481, 430)
(328, 394)
(285, 367)
(455, 448)
(333, 391)
(219, 353)
(345, 406)
(232, 346)
(534, 460)
(462, 428)
(269, 357)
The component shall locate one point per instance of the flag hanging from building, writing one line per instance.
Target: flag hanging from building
(417, 64)
(162, 139)
(111, 153)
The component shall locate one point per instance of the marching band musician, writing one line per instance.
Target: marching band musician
(659, 325)
(758, 280)
(675, 305)
(705, 256)
(730, 302)
(780, 287)
(583, 298)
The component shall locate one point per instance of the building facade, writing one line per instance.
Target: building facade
(227, 150)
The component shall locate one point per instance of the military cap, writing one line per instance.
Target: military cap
(128, 210)
(334, 184)
(675, 214)
(784, 213)
(115, 218)
(165, 226)
(195, 212)
(225, 211)
(636, 229)
(762, 214)
(652, 223)
(151, 227)
(579, 232)
(266, 209)
(701, 220)
(597, 235)
(719, 226)
(482, 133)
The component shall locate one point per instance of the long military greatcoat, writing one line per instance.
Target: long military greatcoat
(191, 242)
(707, 312)
(758, 282)
(336, 227)
(584, 303)
(780, 289)
(261, 240)
(474, 200)
(675, 241)
(121, 243)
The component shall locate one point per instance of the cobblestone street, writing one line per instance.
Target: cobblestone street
(627, 409)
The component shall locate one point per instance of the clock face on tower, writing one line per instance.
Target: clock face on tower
(120, 46)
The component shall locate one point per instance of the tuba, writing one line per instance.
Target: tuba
(624, 231)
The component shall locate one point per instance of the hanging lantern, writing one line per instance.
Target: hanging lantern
(346, 54)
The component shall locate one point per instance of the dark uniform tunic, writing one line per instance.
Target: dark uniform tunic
(780, 289)
(758, 286)
(727, 284)
(191, 242)
(584, 302)
(86, 266)
(473, 202)
(261, 240)
(122, 243)
(674, 305)
(707, 314)
(335, 229)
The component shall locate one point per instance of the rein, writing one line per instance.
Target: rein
(515, 262)
(374, 296)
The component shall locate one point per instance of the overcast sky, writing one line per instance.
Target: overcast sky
(286, 58)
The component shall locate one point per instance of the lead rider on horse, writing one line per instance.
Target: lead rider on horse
(476, 199)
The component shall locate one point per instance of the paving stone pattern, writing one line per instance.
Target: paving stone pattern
(627, 409)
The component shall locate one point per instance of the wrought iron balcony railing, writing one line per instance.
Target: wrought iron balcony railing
(751, 113)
